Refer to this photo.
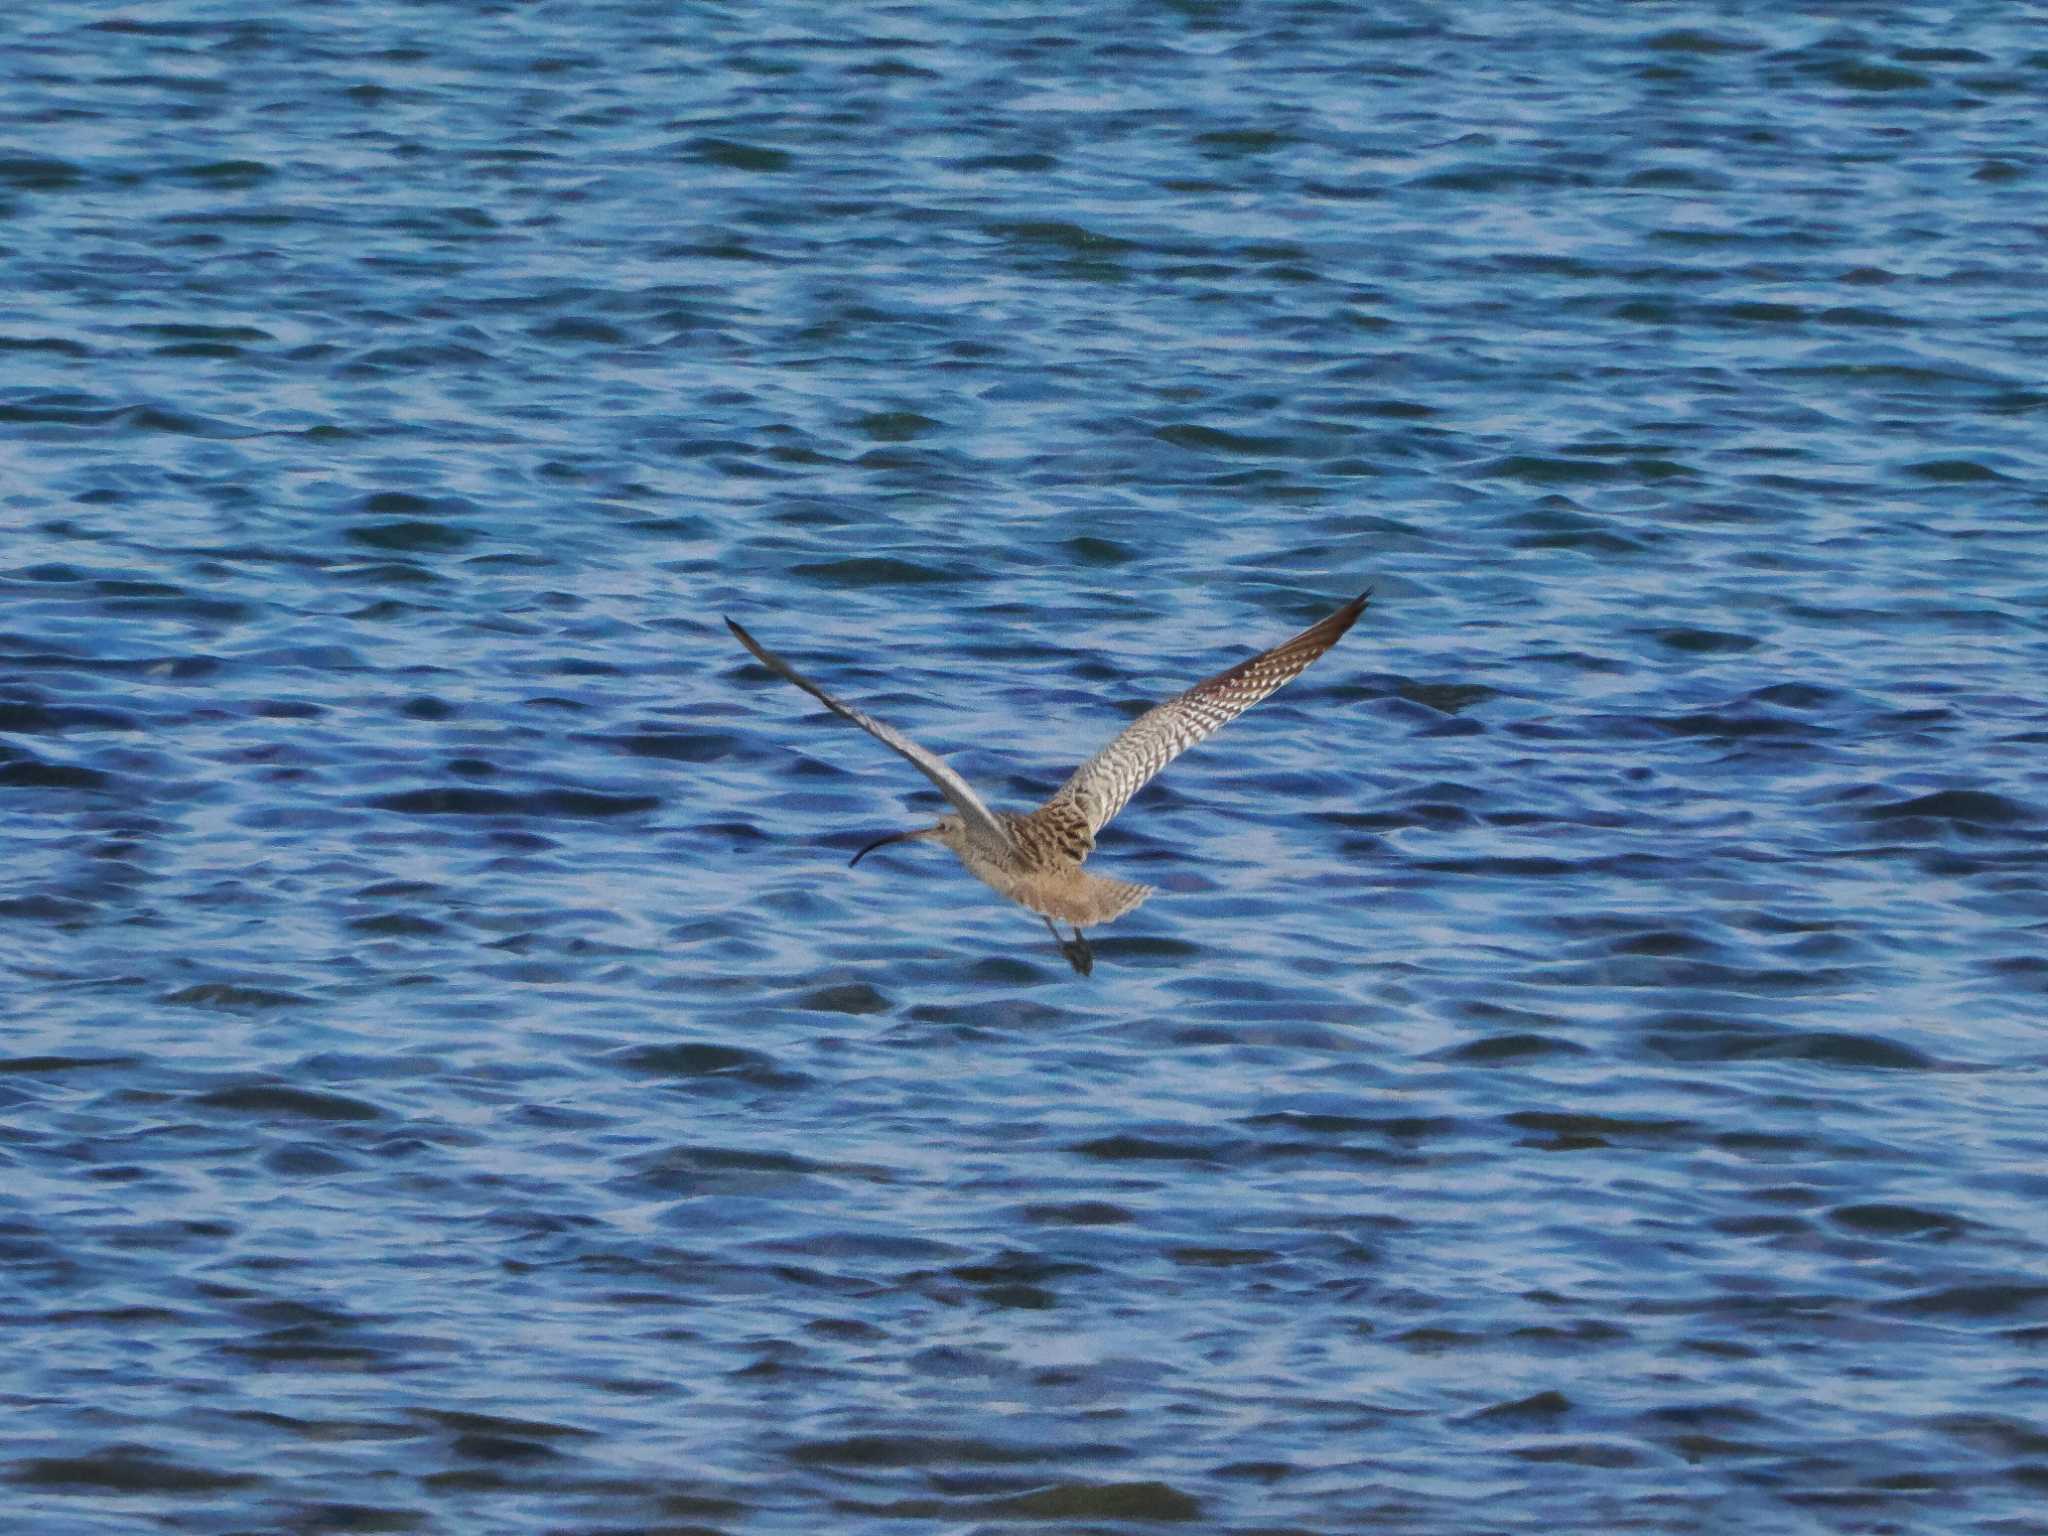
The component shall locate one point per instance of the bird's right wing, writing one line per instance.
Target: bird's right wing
(973, 810)
(1100, 787)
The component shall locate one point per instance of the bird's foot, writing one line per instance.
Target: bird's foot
(1076, 949)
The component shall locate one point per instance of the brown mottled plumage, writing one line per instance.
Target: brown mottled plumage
(1035, 859)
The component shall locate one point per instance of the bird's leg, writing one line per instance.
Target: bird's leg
(1078, 954)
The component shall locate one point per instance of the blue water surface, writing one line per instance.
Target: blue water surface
(1585, 1067)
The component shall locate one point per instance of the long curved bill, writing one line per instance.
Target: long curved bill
(883, 842)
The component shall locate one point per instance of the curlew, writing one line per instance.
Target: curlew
(1035, 859)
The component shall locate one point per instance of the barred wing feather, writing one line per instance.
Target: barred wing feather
(1103, 785)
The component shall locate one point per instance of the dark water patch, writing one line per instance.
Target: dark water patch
(379, 362)
(1059, 236)
(580, 330)
(1265, 1473)
(509, 1449)
(1953, 471)
(1203, 439)
(1863, 316)
(733, 834)
(1714, 726)
(1482, 1012)
(1009, 971)
(1129, 1148)
(56, 346)
(234, 996)
(1500, 177)
(1502, 1050)
(1569, 1130)
(38, 173)
(1750, 312)
(896, 426)
(390, 573)
(1703, 642)
(541, 805)
(412, 536)
(856, 997)
(1989, 1301)
(689, 1061)
(1508, 866)
(1080, 1213)
(1236, 143)
(1962, 809)
(1445, 698)
(1705, 1038)
(1130, 948)
(1537, 470)
(1996, 1434)
(286, 709)
(1540, 1409)
(498, 1437)
(234, 174)
(1439, 1341)
(128, 1470)
(1585, 541)
(1003, 1014)
(1679, 178)
(281, 1100)
(1845, 1048)
(872, 571)
(734, 155)
(1220, 1258)
(304, 1160)
(1402, 1128)
(1090, 550)
(1019, 1280)
(48, 1066)
(370, 1519)
(1582, 1453)
(74, 410)
(385, 890)
(1030, 163)
(26, 772)
(707, 1169)
(933, 1451)
(187, 331)
(43, 908)
(895, 1249)
(1150, 1501)
(1879, 1219)
(1660, 941)
(1863, 75)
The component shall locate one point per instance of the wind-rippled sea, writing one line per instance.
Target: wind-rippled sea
(1586, 1068)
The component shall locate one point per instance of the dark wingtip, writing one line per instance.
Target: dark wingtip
(1337, 623)
(753, 646)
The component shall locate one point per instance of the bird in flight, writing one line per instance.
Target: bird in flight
(1035, 858)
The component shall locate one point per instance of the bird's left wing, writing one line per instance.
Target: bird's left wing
(956, 789)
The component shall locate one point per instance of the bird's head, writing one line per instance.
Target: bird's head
(949, 830)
